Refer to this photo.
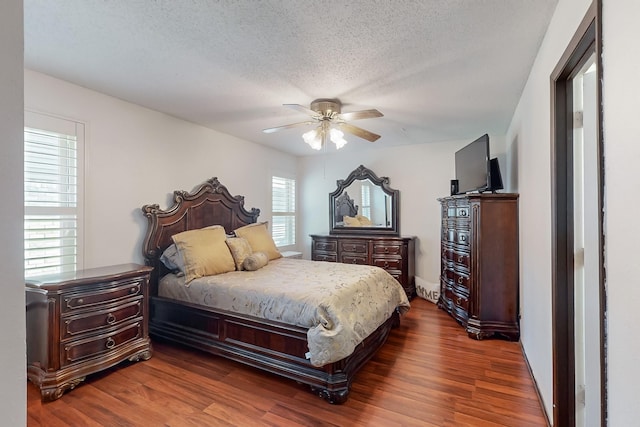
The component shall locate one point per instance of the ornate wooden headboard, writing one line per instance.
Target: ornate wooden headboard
(209, 204)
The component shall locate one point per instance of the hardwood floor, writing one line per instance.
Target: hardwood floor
(429, 373)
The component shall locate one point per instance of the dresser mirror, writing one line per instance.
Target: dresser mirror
(364, 203)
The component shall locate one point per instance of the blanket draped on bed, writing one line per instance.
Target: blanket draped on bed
(341, 304)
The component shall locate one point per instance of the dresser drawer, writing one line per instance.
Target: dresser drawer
(461, 282)
(462, 212)
(387, 249)
(461, 302)
(461, 259)
(447, 253)
(116, 291)
(458, 306)
(462, 237)
(353, 259)
(78, 350)
(325, 245)
(79, 324)
(388, 263)
(325, 257)
(354, 246)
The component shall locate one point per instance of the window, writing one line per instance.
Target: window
(53, 160)
(283, 207)
(365, 194)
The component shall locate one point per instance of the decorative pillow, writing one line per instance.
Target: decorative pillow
(350, 221)
(240, 249)
(172, 259)
(255, 261)
(259, 239)
(205, 252)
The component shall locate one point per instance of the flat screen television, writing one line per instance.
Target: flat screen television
(475, 170)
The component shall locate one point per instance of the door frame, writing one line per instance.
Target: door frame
(586, 41)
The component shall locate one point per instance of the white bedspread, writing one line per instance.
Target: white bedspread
(341, 304)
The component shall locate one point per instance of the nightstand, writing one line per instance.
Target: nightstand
(292, 254)
(82, 322)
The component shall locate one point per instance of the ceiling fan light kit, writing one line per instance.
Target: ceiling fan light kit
(331, 123)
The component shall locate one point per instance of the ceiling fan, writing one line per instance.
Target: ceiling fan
(327, 114)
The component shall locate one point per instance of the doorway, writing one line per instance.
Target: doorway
(578, 295)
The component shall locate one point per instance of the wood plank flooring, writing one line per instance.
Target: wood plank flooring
(429, 373)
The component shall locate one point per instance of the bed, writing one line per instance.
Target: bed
(281, 343)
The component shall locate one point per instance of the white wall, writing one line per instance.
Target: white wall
(621, 31)
(529, 152)
(136, 156)
(13, 392)
(421, 172)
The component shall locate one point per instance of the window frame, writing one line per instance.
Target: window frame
(290, 245)
(63, 126)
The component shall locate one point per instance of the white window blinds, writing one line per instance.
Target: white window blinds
(365, 194)
(52, 196)
(283, 207)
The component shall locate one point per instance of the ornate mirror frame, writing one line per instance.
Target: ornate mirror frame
(340, 203)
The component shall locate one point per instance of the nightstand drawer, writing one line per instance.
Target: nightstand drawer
(76, 351)
(116, 291)
(75, 325)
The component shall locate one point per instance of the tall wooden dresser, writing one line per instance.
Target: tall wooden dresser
(479, 263)
(81, 322)
(396, 254)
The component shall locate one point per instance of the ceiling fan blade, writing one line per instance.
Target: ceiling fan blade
(359, 132)
(357, 115)
(303, 109)
(292, 125)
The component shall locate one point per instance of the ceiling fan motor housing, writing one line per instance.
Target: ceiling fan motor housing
(326, 107)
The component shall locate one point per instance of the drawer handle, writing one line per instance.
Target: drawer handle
(111, 319)
(80, 301)
(460, 279)
(133, 290)
(463, 238)
(110, 343)
(386, 265)
(460, 258)
(353, 261)
(386, 250)
(458, 301)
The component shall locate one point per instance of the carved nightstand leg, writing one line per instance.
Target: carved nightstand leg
(51, 394)
(143, 355)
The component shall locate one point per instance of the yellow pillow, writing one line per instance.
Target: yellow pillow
(350, 221)
(259, 239)
(204, 252)
(240, 250)
(363, 220)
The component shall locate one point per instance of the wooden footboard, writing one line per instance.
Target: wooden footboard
(270, 346)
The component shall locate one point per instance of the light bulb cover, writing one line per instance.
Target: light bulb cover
(313, 139)
(337, 138)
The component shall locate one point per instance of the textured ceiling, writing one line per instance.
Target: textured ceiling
(438, 70)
